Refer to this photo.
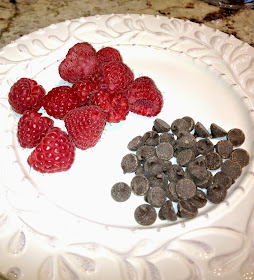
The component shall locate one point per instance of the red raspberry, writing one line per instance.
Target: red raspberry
(26, 94)
(32, 127)
(55, 153)
(59, 101)
(115, 106)
(117, 75)
(82, 90)
(108, 54)
(79, 64)
(144, 97)
(85, 125)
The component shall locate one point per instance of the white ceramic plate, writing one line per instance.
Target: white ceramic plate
(66, 226)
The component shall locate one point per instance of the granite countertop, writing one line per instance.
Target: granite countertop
(20, 17)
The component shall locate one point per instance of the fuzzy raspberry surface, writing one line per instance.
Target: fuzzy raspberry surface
(32, 127)
(59, 101)
(80, 63)
(107, 54)
(55, 153)
(144, 97)
(115, 106)
(26, 94)
(117, 75)
(85, 125)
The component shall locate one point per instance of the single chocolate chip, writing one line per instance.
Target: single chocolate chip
(145, 215)
(160, 126)
(129, 163)
(224, 148)
(175, 172)
(231, 168)
(216, 193)
(154, 166)
(167, 137)
(135, 143)
(171, 192)
(236, 137)
(217, 131)
(145, 152)
(241, 156)
(213, 160)
(199, 200)
(179, 125)
(223, 179)
(190, 122)
(206, 182)
(201, 131)
(139, 185)
(186, 209)
(167, 212)
(185, 140)
(184, 157)
(140, 170)
(165, 151)
(160, 180)
(151, 138)
(156, 197)
(186, 188)
(204, 146)
(197, 168)
(120, 192)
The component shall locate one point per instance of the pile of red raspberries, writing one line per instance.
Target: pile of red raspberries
(103, 89)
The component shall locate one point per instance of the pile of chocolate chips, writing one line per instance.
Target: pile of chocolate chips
(178, 165)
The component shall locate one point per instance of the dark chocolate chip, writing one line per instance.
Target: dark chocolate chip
(156, 197)
(167, 212)
(231, 168)
(145, 152)
(151, 138)
(199, 200)
(217, 131)
(186, 188)
(224, 148)
(154, 166)
(197, 168)
(206, 182)
(213, 160)
(204, 146)
(165, 151)
(129, 163)
(179, 125)
(171, 192)
(201, 131)
(160, 126)
(241, 156)
(139, 185)
(223, 179)
(190, 122)
(135, 143)
(185, 140)
(216, 193)
(145, 215)
(120, 192)
(236, 137)
(175, 172)
(184, 157)
(186, 209)
(160, 180)
(167, 137)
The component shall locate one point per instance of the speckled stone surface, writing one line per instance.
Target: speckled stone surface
(19, 17)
